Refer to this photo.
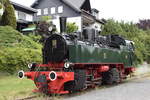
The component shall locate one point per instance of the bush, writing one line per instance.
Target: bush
(13, 59)
(27, 42)
(12, 38)
(35, 38)
(9, 36)
(17, 50)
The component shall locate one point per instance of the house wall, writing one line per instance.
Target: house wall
(67, 11)
(72, 15)
(23, 16)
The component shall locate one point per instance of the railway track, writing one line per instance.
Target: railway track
(38, 97)
(80, 93)
(28, 98)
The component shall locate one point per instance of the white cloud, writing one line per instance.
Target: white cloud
(128, 10)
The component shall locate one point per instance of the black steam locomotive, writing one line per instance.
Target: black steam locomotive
(76, 61)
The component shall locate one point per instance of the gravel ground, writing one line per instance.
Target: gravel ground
(133, 90)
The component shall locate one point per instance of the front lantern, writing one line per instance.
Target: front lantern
(52, 76)
(21, 74)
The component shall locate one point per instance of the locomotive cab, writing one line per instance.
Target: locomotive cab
(55, 49)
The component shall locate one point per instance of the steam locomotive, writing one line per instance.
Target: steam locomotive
(76, 61)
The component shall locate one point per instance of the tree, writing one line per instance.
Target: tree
(144, 24)
(8, 18)
(71, 27)
(132, 32)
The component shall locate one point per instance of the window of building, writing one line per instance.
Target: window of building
(29, 17)
(53, 10)
(39, 12)
(60, 9)
(45, 11)
(21, 15)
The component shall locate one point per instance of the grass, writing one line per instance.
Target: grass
(11, 87)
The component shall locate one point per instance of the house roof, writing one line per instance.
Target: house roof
(75, 4)
(35, 3)
(101, 21)
(95, 10)
(16, 5)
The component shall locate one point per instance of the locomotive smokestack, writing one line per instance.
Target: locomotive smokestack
(63, 21)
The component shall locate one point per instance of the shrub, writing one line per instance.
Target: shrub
(17, 50)
(12, 38)
(35, 38)
(27, 42)
(13, 59)
(9, 36)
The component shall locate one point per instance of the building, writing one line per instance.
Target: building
(24, 15)
(76, 11)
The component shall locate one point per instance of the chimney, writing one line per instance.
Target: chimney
(63, 21)
(95, 13)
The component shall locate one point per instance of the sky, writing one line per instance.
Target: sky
(126, 10)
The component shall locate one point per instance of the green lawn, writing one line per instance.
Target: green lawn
(11, 87)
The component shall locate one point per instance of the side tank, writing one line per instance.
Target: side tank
(91, 54)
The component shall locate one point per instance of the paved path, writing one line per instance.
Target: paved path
(133, 90)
